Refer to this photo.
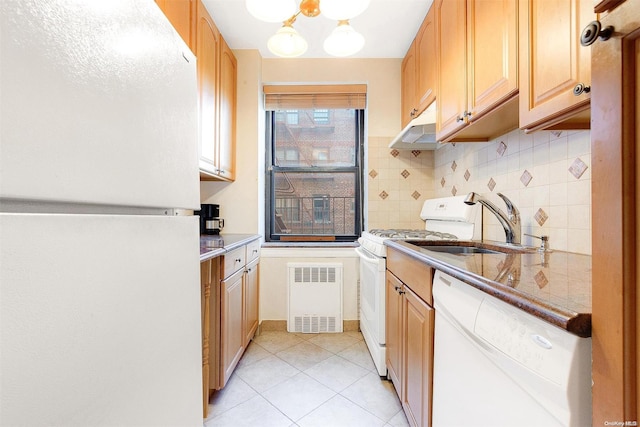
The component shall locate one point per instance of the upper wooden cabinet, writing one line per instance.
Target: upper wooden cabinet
(408, 83)
(208, 47)
(477, 68)
(419, 71)
(227, 113)
(426, 61)
(217, 78)
(217, 71)
(553, 64)
(182, 15)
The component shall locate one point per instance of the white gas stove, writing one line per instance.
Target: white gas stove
(445, 219)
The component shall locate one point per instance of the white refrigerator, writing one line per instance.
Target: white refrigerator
(99, 251)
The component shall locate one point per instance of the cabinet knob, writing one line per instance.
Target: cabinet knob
(593, 31)
(460, 118)
(580, 88)
(238, 260)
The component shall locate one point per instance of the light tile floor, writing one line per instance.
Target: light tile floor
(306, 380)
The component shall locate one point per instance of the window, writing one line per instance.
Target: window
(321, 116)
(314, 158)
(321, 209)
(314, 178)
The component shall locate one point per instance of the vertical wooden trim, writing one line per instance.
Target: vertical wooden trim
(205, 282)
(613, 139)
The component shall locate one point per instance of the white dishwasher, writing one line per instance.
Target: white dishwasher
(495, 365)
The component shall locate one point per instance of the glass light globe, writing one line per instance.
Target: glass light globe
(342, 9)
(271, 10)
(343, 40)
(287, 43)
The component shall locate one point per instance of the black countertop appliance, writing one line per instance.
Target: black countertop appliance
(210, 221)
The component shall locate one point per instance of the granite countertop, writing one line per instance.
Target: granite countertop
(212, 246)
(553, 286)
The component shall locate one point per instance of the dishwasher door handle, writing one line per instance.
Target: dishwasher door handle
(367, 256)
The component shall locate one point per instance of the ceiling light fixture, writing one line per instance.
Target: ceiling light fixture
(288, 43)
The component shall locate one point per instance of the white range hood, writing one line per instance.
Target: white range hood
(420, 133)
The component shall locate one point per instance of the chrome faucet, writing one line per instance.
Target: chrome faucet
(509, 221)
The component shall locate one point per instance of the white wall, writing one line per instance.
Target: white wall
(273, 278)
(242, 201)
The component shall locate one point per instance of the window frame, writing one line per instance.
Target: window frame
(271, 170)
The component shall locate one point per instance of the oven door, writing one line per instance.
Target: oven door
(372, 305)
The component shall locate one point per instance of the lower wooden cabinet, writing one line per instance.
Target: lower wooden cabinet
(230, 291)
(231, 322)
(251, 301)
(394, 329)
(409, 334)
(237, 316)
(417, 375)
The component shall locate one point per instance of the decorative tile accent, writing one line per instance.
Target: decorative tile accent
(491, 184)
(454, 190)
(467, 175)
(383, 195)
(416, 153)
(502, 147)
(541, 217)
(454, 166)
(526, 178)
(416, 195)
(373, 173)
(395, 153)
(443, 181)
(578, 167)
(541, 279)
(405, 173)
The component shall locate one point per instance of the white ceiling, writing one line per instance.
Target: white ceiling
(388, 27)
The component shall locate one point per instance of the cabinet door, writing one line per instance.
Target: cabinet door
(408, 83)
(208, 54)
(251, 301)
(492, 46)
(552, 62)
(616, 218)
(227, 113)
(417, 374)
(232, 320)
(393, 329)
(451, 65)
(182, 15)
(426, 62)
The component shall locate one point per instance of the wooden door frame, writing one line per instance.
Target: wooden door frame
(614, 228)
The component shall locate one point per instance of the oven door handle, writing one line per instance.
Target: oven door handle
(367, 256)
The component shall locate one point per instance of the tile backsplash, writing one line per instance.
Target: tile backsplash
(399, 181)
(546, 175)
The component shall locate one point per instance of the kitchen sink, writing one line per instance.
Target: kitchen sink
(461, 250)
(470, 247)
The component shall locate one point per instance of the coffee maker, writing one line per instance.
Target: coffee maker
(210, 221)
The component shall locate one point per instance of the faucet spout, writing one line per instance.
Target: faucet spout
(509, 221)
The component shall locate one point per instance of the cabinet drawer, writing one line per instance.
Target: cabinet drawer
(234, 261)
(253, 250)
(415, 274)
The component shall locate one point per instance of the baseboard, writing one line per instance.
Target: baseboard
(281, 325)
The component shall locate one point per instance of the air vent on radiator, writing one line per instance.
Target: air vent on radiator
(315, 297)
